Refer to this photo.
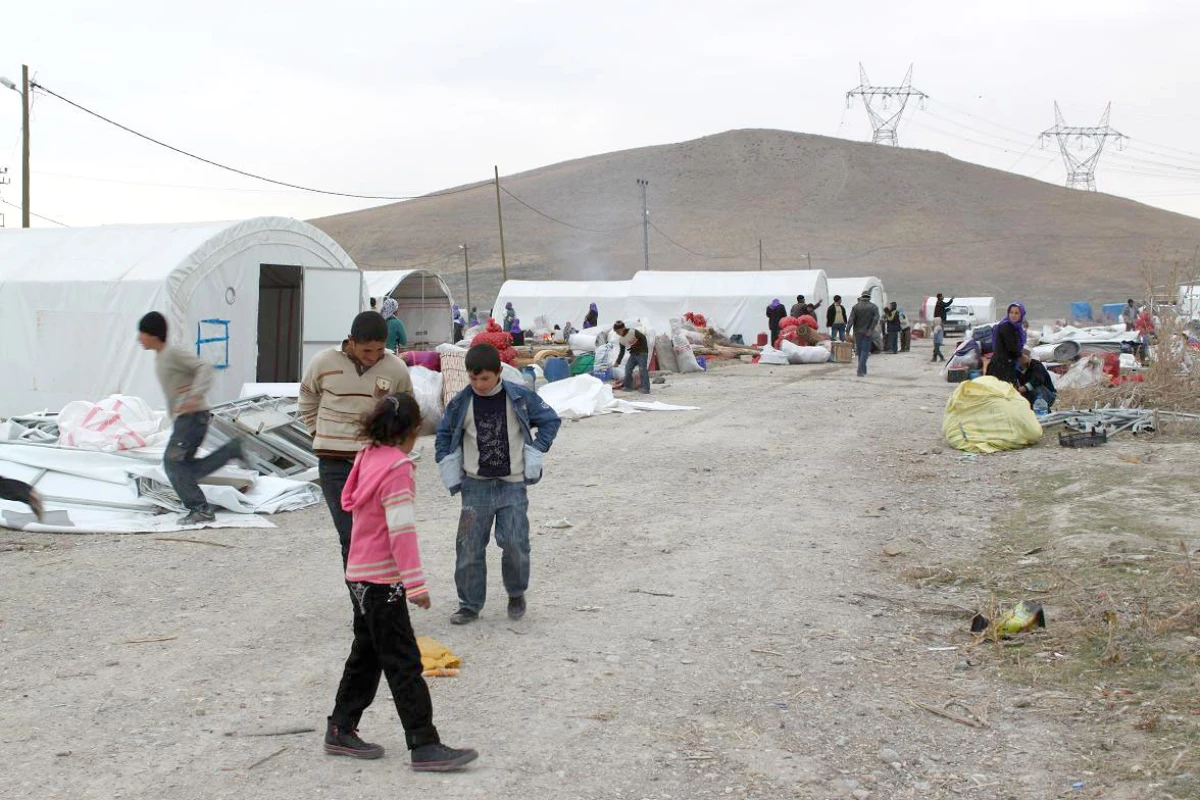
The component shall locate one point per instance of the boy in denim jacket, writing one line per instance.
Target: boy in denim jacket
(487, 450)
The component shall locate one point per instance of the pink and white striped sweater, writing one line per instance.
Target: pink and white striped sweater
(380, 493)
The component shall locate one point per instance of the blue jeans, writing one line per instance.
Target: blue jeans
(862, 346)
(641, 360)
(183, 469)
(485, 502)
(837, 333)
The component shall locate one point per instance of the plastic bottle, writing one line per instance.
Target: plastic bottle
(1040, 407)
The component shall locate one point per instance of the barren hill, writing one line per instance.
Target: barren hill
(922, 221)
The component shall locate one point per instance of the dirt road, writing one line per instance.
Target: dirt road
(715, 623)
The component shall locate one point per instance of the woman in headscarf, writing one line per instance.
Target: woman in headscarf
(593, 315)
(474, 318)
(775, 314)
(1008, 342)
(510, 316)
(397, 336)
(518, 335)
(458, 321)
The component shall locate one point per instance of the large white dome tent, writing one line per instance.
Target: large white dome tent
(257, 298)
(852, 288)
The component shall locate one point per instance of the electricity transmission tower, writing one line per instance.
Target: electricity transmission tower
(1090, 142)
(883, 122)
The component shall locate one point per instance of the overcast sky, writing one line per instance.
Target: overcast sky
(403, 98)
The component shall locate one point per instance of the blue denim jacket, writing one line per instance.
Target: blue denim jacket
(532, 412)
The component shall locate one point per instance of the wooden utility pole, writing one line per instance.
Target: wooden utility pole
(467, 270)
(24, 146)
(500, 219)
(760, 255)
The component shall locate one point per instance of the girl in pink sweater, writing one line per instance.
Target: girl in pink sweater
(383, 570)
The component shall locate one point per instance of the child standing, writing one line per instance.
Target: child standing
(382, 571)
(939, 336)
(487, 450)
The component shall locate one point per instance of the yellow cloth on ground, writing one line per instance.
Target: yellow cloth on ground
(435, 655)
(987, 415)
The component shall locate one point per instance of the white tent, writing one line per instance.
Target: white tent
(423, 301)
(852, 288)
(735, 302)
(256, 298)
(566, 301)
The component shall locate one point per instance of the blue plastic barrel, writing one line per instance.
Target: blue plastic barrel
(557, 369)
(530, 379)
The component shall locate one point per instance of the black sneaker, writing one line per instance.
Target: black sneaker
(516, 607)
(440, 758)
(345, 742)
(464, 616)
(198, 517)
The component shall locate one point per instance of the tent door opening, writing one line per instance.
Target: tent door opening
(280, 297)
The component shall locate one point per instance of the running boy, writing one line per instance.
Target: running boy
(383, 570)
(487, 450)
(185, 380)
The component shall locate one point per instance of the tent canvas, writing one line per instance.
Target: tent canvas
(257, 298)
(566, 301)
(735, 302)
(851, 288)
(423, 302)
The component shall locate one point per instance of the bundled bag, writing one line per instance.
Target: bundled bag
(804, 355)
(115, 423)
(606, 354)
(987, 415)
(683, 349)
(666, 353)
(770, 355)
(427, 388)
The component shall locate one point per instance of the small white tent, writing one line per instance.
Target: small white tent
(423, 301)
(256, 298)
(852, 288)
(735, 302)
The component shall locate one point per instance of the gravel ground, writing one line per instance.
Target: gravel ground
(700, 631)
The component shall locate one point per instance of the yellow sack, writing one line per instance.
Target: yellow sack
(435, 655)
(987, 415)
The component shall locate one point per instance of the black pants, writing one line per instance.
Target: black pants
(183, 469)
(333, 473)
(384, 644)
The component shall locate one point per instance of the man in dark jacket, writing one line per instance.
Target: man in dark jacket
(864, 317)
(939, 308)
(835, 319)
(1035, 381)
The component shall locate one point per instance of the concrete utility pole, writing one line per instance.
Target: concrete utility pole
(467, 270)
(500, 219)
(760, 255)
(645, 223)
(24, 92)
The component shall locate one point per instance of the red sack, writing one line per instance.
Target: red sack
(789, 322)
(809, 320)
(696, 319)
(498, 339)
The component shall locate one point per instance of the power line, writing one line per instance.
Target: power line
(690, 250)
(244, 173)
(541, 213)
(39, 216)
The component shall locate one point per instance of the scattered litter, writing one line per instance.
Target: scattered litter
(780, 704)
(589, 609)
(152, 640)
(1024, 616)
(559, 525)
(652, 594)
(436, 658)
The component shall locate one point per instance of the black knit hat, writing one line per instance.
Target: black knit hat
(154, 324)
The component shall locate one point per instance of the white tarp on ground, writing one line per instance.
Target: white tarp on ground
(127, 492)
(423, 301)
(1098, 335)
(850, 289)
(586, 396)
(256, 298)
(735, 302)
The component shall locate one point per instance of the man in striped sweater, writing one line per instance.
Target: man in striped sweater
(340, 385)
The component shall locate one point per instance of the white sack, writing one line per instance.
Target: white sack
(772, 356)
(667, 362)
(1083, 373)
(606, 354)
(683, 348)
(584, 342)
(427, 388)
(803, 355)
(115, 423)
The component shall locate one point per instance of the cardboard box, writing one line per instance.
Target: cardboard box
(843, 352)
